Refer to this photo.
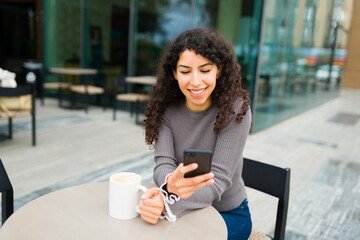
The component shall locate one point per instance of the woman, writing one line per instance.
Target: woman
(198, 102)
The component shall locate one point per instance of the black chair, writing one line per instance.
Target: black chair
(274, 181)
(16, 92)
(7, 194)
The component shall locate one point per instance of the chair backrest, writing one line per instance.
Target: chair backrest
(98, 79)
(120, 85)
(7, 194)
(19, 91)
(274, 181)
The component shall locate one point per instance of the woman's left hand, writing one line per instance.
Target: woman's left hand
(151, 205)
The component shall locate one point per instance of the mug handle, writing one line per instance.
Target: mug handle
(144, 189)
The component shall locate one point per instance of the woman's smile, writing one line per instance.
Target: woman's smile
(197, 92)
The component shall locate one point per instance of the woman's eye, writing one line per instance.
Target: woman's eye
(185, 72)
(205, 71)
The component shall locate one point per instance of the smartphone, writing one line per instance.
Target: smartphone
(200, 156)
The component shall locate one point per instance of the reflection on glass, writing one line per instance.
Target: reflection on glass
(206, 13)
(157, 23)
(295, 62)
(18, 36)
(108, 23)
(239, 21)
(68, 34)
(62, 32)
(302, 53)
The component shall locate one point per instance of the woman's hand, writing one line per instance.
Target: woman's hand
(185, 187)
(151, 205)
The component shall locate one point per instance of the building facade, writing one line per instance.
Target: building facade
(291, 52)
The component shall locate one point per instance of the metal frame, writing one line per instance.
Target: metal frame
(18, 91)
(274, 181)
(7, 194)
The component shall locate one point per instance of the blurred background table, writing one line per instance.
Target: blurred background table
(83, 88)
(144, 80)
(73, 71)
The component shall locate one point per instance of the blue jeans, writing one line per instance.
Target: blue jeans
(238, 222)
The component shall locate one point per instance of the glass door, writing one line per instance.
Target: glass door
(18, 36)
(240, 22)
(108, 39)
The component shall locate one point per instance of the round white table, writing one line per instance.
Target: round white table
(81, 212)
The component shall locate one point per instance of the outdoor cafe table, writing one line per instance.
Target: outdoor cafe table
(81, 212)
(144, 80)
(74, 72)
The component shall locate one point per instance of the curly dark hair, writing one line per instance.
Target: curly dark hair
(166, 92)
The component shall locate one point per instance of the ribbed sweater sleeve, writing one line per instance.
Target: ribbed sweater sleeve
(182, 128)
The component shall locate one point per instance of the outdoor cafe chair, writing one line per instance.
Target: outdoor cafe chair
(136, 100)
(274, 181)
(17, 92)
(92, 85)
(60, 86)
(7, 194)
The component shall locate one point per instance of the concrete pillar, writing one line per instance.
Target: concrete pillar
(352, 65)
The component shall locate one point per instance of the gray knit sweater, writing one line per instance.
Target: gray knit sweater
(182, 128)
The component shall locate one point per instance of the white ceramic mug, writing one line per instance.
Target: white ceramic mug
(124, 195)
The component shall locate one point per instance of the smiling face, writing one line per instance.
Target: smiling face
(196, 76)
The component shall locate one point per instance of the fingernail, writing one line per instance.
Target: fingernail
(211, 181)
(211, 175)
(195, 165)
(144, 196)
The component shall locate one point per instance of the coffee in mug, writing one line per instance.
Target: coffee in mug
(126, 178)
(124, 195)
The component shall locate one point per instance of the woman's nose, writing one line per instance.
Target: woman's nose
(195, 81)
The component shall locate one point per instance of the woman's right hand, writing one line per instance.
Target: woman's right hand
(185, 187)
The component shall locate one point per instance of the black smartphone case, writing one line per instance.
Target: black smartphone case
(200, 156)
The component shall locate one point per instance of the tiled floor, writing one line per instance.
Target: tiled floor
(320, 146)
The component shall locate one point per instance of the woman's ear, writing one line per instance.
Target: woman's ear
(218, 74)
(175, 74)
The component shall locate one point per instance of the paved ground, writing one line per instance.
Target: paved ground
(320, 146)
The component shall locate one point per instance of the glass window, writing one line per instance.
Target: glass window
(108, 39)
(239, 21)
(295, 62)
(156, 23)
(62, 44)
(206, 13)
(67, 32)
(302, 53)
(18, 36)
